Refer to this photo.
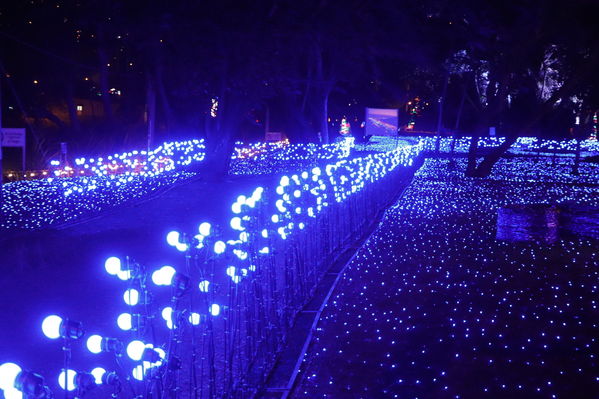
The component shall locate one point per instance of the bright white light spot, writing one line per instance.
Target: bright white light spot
(13, 393)
(131, 297)
(236, 223)
(51, 326)
(135, 350)
(94, 344)
(204, 229)
(124, 275)
(164, 275)
(124, 321)
(204, 285)
(172, 238)
(70, 374)
(214, 309)
(138, 373)
(8, 374)
(219, 247)
(112, 265)
(194, 319)
(98, 373)
(167, 313)
(181, 247)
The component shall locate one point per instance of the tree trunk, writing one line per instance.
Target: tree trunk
(440, 114)
(72, 107)
(472, 150)
(166, 106)
(151, 111)
(575, 170)
(324, 121)
(456, 127)
(486, 165)
(104, 84)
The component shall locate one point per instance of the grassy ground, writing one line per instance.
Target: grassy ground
(434, 306)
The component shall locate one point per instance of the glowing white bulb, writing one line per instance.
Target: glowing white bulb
(70, 374)
(214, 309)
(51, 326)
(124, 321)
(131, 297)
(194, 319)
(112, 265)
(98, 373)
(230, 271)
(124, 275)
(204, 285)
(219, 247)
(172, 238)
(135, 350)
(236, 223)
(164, 275)
(181, 247)
(204, 229)
(94, 344)
(13, 393)
(138, 373)
(8, 374)
(167, 313)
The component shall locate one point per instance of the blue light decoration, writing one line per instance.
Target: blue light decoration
(16, 383)
(241, 282)
(523, 145)
(434, 295)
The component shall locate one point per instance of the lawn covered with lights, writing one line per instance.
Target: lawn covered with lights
(435, 305)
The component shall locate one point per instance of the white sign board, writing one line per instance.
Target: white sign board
(13, 137)
(381, 122)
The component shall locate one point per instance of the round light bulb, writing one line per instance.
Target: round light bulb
(51, 326)
(214, 309)
(236, 223)
(124, 275)
(135, 350)
(70, 379)
(124, 321)
(138, 373)
(172, 238)
(112, 265)
(205, 229)
(131, 297)
(94, 344)
(8, 375)
(219, 247)
(98, 373)
(204, 285)
(13, 393)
